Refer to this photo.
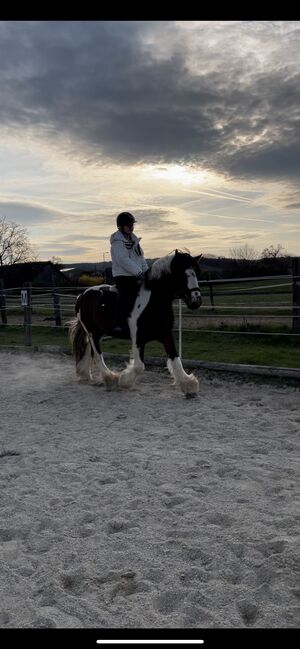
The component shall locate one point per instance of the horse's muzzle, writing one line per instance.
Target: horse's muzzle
(194, 300)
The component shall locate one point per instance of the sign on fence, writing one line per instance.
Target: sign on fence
(26, 303)
(24, 298)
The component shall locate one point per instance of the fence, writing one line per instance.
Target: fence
(29, 306)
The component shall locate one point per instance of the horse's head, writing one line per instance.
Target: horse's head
(184, 268)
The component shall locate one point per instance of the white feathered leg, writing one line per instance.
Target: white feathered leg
(107, 376)
(188, 383)
(134, 368)
(83, 367)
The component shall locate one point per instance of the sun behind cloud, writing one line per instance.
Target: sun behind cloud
(176, 173)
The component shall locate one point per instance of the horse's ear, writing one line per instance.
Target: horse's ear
(196, 259)
(176, 252)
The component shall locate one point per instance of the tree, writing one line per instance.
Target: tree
(272, 252)
(57, 261)
(14, 244)
(275, 261)
(244, 253)
(243, 261)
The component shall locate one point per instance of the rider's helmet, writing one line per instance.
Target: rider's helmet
(125, 218)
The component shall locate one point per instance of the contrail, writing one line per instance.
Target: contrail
(217, 194)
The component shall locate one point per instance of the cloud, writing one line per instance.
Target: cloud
(65, 252)
(27, 213)
(223, 96)
(154, 218)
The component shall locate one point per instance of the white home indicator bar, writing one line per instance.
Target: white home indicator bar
(150, 641)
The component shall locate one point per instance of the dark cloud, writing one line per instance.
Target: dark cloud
(31, 214)
(153, 218)
(134, 92)
(27, 213)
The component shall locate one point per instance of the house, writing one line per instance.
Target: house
(38, 273)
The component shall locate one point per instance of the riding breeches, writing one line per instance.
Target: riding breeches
(127, 288)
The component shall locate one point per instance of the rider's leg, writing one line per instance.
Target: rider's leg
(127, 291)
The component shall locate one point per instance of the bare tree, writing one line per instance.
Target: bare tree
(244, 253)
(273, 252)
(243, 261)
(14, 244)
(57, 261)
(275, 260)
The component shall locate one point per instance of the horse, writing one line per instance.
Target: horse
(152, 318)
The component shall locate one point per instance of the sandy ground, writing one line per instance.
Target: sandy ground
(143, 509)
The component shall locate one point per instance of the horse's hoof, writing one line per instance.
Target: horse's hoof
(190, 395)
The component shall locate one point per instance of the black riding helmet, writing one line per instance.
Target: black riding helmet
(125, 218)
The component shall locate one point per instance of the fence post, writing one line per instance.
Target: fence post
(296, 294)
(2, 302)
(26, 302)
(180, 328)
(56, 306)
(211, 295)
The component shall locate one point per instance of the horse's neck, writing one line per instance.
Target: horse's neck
(163, 289)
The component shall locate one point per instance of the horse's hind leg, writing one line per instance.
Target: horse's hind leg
(105, 375)
(83, 363)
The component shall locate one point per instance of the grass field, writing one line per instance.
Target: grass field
(276, 350)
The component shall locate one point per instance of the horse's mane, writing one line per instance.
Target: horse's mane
(162, 266)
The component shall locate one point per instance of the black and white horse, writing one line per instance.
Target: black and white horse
(152, 318)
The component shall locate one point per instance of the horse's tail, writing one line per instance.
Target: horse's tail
(78, 338)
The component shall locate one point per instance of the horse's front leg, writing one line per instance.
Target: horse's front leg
(188, 383)
(134, 368)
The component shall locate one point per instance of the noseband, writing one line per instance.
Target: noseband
(187, 292)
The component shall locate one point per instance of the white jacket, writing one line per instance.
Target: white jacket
(127, 255)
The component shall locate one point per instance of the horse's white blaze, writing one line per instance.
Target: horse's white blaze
(136, 366)
(192, 282)
(188, 383)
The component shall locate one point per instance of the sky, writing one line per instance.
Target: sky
(192, 126)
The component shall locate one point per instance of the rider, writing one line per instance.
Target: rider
(128, 267)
